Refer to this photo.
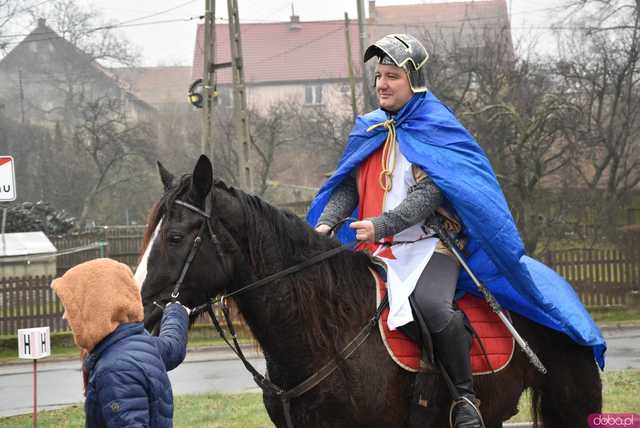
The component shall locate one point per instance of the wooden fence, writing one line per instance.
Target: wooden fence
(120, 242)
(29, 302)
(601, 277)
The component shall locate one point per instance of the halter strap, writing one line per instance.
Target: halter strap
(193, 208)
(196, 243)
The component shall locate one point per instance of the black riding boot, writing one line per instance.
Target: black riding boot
(452, 350)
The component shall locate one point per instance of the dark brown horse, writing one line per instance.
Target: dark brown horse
(303, 320)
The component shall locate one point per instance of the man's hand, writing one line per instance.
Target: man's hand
(323, 229)
(364, 230)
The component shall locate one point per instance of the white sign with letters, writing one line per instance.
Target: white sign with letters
(7, 179)
(34, 343)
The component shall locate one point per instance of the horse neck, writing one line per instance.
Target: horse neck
(285, 316)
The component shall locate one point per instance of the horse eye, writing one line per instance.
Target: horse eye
(175, 238)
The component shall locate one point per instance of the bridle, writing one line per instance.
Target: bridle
(285, 395)
(196, 243)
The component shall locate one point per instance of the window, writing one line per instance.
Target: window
(313, 95)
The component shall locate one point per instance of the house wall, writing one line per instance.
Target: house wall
(17, 267)
(334, 95)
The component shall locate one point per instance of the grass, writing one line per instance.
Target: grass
(621, 315)
(8, 356)
(621, 394)
(205, 410)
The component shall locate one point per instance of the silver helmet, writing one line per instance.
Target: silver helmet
(406, 52)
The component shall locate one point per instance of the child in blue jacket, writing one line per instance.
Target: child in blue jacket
(125, 368)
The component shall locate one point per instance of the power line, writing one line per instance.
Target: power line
(33, 7)
(122, 24)
(478, 18)
(92, 30)
(159, 13)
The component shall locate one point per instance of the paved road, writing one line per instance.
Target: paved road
(623, 348)
(60, 384)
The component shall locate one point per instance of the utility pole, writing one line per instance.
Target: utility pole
(363, 43)
(240, 116)
(208, 80)
(352, 80)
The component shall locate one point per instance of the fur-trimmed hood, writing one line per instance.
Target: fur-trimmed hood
(98, 296)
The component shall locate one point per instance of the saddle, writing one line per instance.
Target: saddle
(492, 348)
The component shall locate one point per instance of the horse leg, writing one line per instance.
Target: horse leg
(500, 393)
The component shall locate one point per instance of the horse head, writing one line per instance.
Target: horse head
(192, 255)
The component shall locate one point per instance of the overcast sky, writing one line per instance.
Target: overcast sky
(172, 43)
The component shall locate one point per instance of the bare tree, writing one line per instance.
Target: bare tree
(601, 63)
(528, 122)
(268, 137)
(517, 111)
(87, 29)
(111, 148)
(10, 11)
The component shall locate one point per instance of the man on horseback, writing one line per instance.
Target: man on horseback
(395, 198)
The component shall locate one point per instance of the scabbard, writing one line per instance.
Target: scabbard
(437, 226)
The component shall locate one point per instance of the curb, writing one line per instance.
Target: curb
(619, 326)
(250, 347)
(58, 359)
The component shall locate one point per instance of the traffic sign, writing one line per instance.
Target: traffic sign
(34, 343)
(7, 179)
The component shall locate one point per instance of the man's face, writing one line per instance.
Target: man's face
(392, 87)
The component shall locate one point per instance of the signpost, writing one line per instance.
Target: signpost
(7, 190)
(33, 344)
(7, 179)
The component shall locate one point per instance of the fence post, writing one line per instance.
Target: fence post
(103, 248)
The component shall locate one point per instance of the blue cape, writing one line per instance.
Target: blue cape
(431, 137)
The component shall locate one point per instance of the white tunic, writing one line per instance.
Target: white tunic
(411, 259)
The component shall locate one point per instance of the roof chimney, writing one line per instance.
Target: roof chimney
(294, 24)
(372, 9)
(42, 22)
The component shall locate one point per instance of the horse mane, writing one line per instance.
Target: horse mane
(325, 298)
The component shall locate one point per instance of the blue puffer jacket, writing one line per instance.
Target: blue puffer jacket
(128, 383)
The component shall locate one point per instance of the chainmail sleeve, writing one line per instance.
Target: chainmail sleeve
(343, 201)
(421, 202)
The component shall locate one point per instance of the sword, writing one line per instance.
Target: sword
(437, 227)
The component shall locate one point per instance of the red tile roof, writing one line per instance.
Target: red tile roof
(445, 14)
(458, 18)
(274, 52)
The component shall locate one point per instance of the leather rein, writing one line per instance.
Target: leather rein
(285, 395)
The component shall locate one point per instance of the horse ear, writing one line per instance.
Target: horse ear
(202, 177)
(165, 176)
